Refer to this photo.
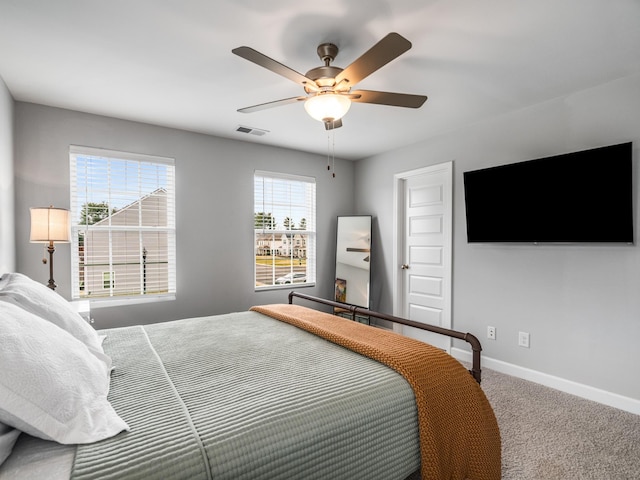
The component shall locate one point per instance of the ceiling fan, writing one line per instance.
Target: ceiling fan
(328, 88)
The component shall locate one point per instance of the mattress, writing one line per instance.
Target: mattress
(239, 396)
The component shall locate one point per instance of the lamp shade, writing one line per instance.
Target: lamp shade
(327, 107)
(50, 224)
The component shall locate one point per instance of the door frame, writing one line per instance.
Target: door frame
(399, 180)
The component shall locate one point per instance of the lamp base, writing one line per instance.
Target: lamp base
(52, 284)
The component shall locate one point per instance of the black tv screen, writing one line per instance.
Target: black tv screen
(572, 198)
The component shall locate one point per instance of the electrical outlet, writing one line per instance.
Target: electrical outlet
(523, 339)
(491, 333)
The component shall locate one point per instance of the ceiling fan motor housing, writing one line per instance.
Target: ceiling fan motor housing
(325, 75)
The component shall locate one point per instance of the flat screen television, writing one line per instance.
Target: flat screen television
(577, 197)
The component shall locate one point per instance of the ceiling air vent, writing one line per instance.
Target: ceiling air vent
(251, 130)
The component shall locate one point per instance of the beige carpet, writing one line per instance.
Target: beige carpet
(548, 434)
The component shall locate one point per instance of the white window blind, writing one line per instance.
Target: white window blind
(285, 230)
(123, 225)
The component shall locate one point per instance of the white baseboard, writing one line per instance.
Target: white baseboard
(585, 391)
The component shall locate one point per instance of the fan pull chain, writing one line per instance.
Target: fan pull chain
(331, 151)
(328, 150)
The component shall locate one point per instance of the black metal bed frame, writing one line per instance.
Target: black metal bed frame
(476, 348)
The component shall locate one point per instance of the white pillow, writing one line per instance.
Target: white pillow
(51, 386)
(8, 437)
(40, 300)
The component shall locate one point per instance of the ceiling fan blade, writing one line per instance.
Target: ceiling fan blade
(333, 124)
(389, 98)
(276, 103)
(390, 47)
(258, 58)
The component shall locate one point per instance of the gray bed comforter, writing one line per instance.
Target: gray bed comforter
(245, 396)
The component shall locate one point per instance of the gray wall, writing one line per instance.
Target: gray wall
(580, 303)
(7, 242)
(214, 202)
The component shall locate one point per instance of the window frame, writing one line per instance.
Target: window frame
(310, 232)
(76, 151)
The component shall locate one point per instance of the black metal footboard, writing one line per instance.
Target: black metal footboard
(355, 310)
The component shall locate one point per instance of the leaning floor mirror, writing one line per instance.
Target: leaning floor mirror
(353, 260)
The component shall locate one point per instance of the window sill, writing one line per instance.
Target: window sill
(288, 286)
(122, 301)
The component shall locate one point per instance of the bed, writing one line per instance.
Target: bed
(277, 392)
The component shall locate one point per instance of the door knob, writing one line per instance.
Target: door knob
(404, 266)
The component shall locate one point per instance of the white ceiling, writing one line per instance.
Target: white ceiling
(169, 62)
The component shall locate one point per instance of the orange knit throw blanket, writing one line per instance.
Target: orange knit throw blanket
(459, 436)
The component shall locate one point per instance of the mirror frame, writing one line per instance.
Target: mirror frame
(353, 249)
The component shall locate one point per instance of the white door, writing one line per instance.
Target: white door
(423, 250)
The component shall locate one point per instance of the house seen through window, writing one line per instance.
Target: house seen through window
(108, 280)
(284, 230)
(123, 225)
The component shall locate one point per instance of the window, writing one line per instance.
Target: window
(284, 222)
(123, 225)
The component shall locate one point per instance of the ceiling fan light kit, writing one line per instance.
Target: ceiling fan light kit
(328, 88)
(327, 107)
